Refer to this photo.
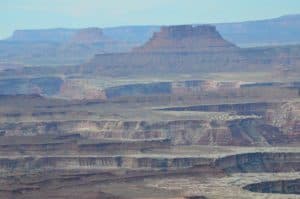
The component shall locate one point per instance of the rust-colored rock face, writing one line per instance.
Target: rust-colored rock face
(89, 35)
(186, 38)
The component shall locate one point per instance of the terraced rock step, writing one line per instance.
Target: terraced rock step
(74, 144)
(237, 132)
(244, 109)
(100, 162)
(249, 162)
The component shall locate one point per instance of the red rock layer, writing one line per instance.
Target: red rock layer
(186, 38)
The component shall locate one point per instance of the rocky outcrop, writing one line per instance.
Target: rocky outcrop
(285, 117)
(186, 38)
(72, 89)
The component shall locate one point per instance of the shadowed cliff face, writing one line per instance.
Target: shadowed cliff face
(43, 85)
(186, 38)
(260, 162)
(279, 187)
(139, 89)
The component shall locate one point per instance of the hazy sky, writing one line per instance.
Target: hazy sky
(33, 14)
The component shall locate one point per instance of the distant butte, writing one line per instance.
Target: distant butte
(186, 38)
(89, 35)
(192, 49)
